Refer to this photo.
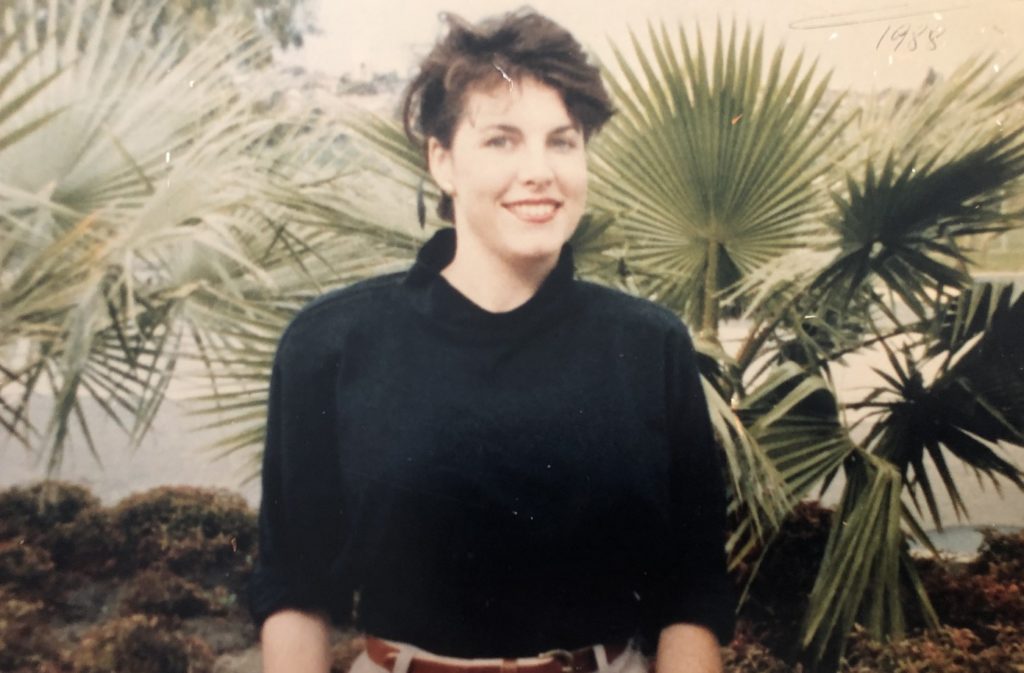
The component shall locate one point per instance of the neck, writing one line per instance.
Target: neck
(494, 286)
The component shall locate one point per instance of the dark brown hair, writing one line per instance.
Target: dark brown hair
(518, 44)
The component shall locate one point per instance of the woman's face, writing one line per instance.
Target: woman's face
(517, 173)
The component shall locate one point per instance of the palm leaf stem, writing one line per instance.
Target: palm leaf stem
(709, 322)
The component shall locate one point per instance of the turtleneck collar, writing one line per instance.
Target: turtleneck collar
(436, 299)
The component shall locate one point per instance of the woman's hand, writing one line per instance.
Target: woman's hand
(296, 642)
(688, 648)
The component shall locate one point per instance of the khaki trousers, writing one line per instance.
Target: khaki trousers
(630, 661)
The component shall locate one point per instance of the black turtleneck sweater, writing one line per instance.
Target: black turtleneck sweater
(491, 485)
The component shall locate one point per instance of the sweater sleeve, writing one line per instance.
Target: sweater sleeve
(300, 517)
(700, 591)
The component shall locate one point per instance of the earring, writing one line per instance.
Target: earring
(421, 205)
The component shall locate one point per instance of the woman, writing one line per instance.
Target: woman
(483, 458)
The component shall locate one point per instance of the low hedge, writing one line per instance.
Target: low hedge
(193, 532)
(169, 558)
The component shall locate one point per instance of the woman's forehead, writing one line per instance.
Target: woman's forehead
(514, 101)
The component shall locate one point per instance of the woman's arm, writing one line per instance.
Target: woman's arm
(699, 591)
(301, 522)
(296, 642)
(688, 648)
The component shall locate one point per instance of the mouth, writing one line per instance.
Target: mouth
(534, 210)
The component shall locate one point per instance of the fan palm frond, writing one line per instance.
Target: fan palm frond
(160, 207)
(711, 164)
(865, 564)
(903, 225)
(974, 403)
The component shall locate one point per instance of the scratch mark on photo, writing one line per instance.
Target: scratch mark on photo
(875, 15)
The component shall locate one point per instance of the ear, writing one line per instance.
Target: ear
(439, 161)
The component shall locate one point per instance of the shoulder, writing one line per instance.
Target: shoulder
(330, 316)
(629, 311)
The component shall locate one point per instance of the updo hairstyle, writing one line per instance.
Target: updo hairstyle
(515, 45)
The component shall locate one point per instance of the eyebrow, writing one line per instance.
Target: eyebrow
(515, 129)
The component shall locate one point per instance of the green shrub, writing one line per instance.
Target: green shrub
(158, 592)
(26, 642)
(140, 644)
(191, 531)
(64, 519)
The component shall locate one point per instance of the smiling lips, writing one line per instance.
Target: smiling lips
(536, 211)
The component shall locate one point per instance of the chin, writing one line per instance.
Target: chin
(537, 251)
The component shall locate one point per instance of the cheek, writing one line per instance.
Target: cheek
(575, 179)
(486, 179)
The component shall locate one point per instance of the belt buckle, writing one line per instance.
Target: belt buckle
(564, 657)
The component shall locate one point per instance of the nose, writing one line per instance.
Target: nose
(535, 165)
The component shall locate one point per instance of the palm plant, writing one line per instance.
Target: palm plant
(710, 163)
(283, 20)
(149, 217)
(741, 186)
(916, 267)
(152, 223)
(710, 170)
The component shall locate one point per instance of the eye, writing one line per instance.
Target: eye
(498, 141)
(564, 142)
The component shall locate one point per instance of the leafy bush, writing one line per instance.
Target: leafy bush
(159, 592)
(64, 519)
(961, 599)
(950, 650)
(26, 643)
(140, 644)
(779, 593)
(33, 511)
(191, 531)
(746, 654)
(985, 592)
(90, 544)
(24, 565)
(1010, 640)
(1001, 555)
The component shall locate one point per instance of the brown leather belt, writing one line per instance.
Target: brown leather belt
(385, 654)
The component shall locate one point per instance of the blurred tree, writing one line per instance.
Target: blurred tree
(286, 21)
(150, 218)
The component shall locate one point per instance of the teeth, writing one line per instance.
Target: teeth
(533, 210)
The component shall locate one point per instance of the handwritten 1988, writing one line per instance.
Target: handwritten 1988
(910, 37)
